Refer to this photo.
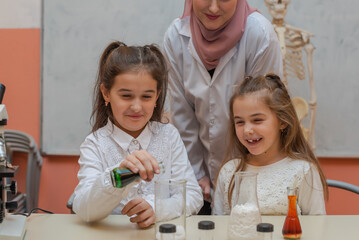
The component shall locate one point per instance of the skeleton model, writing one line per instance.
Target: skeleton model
(292, 41)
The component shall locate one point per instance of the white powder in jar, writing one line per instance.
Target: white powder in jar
(243, 222)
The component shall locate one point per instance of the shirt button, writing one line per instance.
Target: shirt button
(211, 122)
(135, 142)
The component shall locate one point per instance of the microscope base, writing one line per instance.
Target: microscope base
(13, 227)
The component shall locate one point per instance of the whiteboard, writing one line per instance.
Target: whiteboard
(76, 32)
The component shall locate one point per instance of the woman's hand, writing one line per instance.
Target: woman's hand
(205, 184)
(140, 161)
(145, 214)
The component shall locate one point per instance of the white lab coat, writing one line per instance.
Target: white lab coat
(95, 196)
(199, 103)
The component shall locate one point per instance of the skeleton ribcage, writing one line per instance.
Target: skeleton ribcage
(294, 63)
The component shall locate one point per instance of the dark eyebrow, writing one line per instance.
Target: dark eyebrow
(253, 115)
(257, 114)
(150, 91)
(128, 90)
(124, 90)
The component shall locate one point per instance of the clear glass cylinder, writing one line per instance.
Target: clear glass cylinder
(245, 214)
(170, 205)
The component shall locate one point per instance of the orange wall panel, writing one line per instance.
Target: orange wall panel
(20, 73)
(58, 181)
(342, 202)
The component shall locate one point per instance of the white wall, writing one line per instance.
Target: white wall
(20, 13)
(75, 34)
(335, 25)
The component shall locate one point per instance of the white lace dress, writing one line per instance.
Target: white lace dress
(272, 183)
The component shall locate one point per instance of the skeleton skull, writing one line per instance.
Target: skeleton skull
(277, 8)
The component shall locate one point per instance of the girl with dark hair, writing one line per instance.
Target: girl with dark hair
(128, 133)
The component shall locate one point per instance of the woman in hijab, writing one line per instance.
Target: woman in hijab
(210, 49)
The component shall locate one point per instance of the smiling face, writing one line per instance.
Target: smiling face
(257, 128)
(132, 99)
(213, 14)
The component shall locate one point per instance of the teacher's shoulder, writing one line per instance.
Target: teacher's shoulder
(179, 26)
(258, 26)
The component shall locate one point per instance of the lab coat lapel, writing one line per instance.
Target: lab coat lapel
(194, 54)
(222, 62)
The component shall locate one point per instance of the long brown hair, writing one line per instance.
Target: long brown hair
(293, 142)
(119, 58)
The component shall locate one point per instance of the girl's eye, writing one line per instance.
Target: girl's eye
(147, 97)
(126, 96)
(239, 122)
(258, 120)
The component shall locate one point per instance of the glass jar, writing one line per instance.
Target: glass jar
(206, 230)
(167, 231)
(245, 214)
(265, 231)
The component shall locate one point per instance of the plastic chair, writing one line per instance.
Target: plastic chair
(343, 185)
(70, 202)
(17, 141)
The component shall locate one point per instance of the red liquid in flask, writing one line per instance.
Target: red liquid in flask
(291, 228)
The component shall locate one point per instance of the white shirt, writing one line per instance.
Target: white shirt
(199, 103)
(95, 196)
(272, 183)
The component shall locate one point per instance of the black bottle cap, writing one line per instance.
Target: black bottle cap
(265, 227)
(206, 225)
(167, 228)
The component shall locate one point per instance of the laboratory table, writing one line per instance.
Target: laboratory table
(70, 226)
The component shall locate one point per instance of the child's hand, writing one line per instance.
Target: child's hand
(140, 161)
(145, 214)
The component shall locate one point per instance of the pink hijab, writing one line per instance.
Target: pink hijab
(211, 45)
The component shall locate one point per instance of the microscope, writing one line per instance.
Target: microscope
(11, 226)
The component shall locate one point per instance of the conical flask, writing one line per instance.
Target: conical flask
(291, 228)
(245, 214)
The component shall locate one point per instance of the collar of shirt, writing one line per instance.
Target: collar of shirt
(185, 28)
(126, 141)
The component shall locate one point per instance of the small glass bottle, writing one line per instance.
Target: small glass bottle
(265, 231)
(167, 231)
(291, 228)
(121, 177)
(206, 230)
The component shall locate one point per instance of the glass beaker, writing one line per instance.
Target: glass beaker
(245, 214)
(170, 205)
(291, 228)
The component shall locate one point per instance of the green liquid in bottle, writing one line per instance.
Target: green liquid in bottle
(121, 177)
